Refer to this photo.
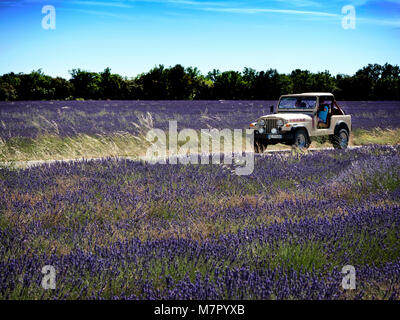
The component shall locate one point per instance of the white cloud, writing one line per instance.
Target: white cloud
(99, 13)
(265, 10)
(116, 4)
(300, 3)
(237, 7)
(380, 22)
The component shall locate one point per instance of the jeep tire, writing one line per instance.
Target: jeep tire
(301, 139)
(340, 139)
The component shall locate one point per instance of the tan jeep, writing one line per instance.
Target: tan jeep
(298, 118)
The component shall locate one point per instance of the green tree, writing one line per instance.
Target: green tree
(229, 85)
(386, 86)
(302, 81)
(269, 85)
(323, 82)
(62, 88)
(179, 83)
(344, 87)
(34, 86)
(153, 85)
(372, 82)
(112, 86)
(7, 92)
(9, 84)
(85, 84)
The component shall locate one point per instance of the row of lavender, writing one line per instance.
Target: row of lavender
(68, 118)
(123, 229)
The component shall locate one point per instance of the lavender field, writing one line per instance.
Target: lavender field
(121, 229)
(69, 118)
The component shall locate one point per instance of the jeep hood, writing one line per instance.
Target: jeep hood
(287, 116)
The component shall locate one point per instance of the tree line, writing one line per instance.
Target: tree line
(373, 82)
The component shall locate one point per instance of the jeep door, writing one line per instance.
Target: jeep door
(329, 126)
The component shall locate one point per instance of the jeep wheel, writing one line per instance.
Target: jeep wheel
(340, 140)
(259, 147)
(301, 139)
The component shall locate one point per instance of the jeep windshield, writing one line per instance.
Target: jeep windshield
(300, 103)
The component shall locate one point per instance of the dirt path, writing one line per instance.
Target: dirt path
(31, 163)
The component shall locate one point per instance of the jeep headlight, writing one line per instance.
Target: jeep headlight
(279, 122)
(261, 130)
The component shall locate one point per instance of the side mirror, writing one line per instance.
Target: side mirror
(271, 109)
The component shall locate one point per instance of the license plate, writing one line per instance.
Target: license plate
(275, 136)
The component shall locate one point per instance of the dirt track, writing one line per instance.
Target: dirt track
(30, 163)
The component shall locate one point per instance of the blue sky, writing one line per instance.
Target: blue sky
(131, 37)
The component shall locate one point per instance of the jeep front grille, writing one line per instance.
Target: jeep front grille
(270, 123)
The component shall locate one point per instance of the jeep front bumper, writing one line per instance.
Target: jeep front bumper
(270, 138)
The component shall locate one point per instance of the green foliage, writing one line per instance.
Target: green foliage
(7, 92)
(112, 86)
(373, 82)
(300, 257)
(86, 84)
(33, 86)
(306, 256)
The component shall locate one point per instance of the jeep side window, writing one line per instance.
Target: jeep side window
(336, 110)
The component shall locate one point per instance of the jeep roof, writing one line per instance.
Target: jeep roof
(307, 94)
